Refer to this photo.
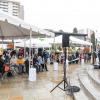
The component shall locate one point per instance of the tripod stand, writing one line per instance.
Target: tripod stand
(66, 86)
(64, 78)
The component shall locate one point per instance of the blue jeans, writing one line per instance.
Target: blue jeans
(21, 68)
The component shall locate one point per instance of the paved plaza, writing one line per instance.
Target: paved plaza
(20, 88)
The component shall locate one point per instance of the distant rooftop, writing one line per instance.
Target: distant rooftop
(17, 1)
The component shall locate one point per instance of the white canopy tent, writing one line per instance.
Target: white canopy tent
(79, 41)
(58, 40)
(35, 44)
(13, 27)
(73, 40)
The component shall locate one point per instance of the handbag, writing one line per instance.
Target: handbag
(6, 68)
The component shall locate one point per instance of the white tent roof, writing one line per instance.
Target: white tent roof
(73, 40)
(42, 43)
(11, 26)
(79, 41)
(35, 44)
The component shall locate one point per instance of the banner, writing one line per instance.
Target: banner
(10, 46)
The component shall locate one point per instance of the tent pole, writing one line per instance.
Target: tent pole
(32, 53)
(30, 48)
(2, 43)
(90, 48)
(13, 43)
(54, 44)
(2, 37)
(24, 48)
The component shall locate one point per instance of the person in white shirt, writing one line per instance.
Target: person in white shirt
(13, 63)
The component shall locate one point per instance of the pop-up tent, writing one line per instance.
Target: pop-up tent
(13, 27)
(79, 41)
(35, 43)
(73, 40)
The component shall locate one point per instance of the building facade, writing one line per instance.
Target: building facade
(12, 7)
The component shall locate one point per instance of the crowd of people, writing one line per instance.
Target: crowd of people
(12, 61)
(73, 58)
(18, 61)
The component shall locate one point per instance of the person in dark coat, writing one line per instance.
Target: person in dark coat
(77, 56)
(99, 56)
(94, 57)
(1, 64)
(45, 57)
(27, 66)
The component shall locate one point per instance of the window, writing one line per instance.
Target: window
(5, 10)
(15, 14)
(15, 11)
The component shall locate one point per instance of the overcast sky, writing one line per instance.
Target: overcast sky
(63, 14)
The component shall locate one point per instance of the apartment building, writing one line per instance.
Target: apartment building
(12, 7)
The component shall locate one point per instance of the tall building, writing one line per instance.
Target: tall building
(13, 7)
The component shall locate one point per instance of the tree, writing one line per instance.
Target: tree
(93, 47)
(61, 31)
(93, 41)
(75, 30)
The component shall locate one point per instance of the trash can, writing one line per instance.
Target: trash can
(32, 74)
(55, 66)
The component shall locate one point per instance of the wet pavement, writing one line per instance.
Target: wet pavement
(20, 88)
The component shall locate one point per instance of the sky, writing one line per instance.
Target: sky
(63, 14)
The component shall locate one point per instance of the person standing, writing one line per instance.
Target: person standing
(45, 57)
(77, 56)
(99, 56)
(94, 57)
(1, 65)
